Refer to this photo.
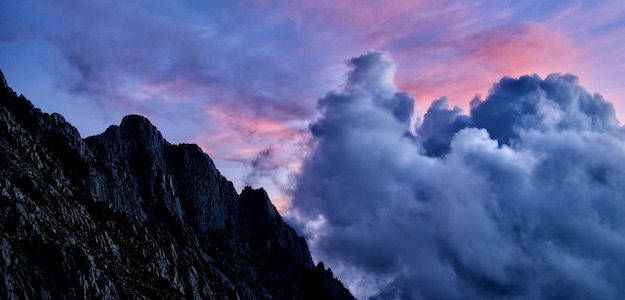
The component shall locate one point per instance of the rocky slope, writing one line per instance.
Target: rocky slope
(126, 214)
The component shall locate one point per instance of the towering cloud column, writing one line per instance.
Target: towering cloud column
(521, 198)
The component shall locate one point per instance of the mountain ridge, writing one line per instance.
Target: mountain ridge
(126, 214)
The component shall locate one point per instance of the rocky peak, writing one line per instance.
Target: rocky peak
(137, 126)
(257, 200)
(132, 160)
(267, 229)
(209, 200)
(125, 214)
(137, 133)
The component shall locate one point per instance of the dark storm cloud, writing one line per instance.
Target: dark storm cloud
(528, 103)
(531, 103)
(521, 199)
(439, 125)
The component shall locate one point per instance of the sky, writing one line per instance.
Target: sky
(242, 78)
(254, 84)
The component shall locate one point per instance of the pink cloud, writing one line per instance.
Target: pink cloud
(474, 62)
(523, 49)
(237, 136)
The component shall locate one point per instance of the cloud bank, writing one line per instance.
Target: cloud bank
(520, 198)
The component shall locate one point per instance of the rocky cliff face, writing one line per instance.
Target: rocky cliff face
(125, 214)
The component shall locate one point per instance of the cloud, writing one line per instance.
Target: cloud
(521, 198)
(515, 105)
(439, 125)
(531, 103)
(262, 166)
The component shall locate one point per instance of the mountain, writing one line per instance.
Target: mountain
(125, 214)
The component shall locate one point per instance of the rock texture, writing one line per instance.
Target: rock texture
(126, 214)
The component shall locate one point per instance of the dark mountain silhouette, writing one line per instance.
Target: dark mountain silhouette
(125, 214)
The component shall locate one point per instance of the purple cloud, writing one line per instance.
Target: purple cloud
(519, 206)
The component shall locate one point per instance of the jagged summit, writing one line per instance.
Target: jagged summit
(259, 198)
(136, 127)
(125, 214)
(266, 224)
(136, 121)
